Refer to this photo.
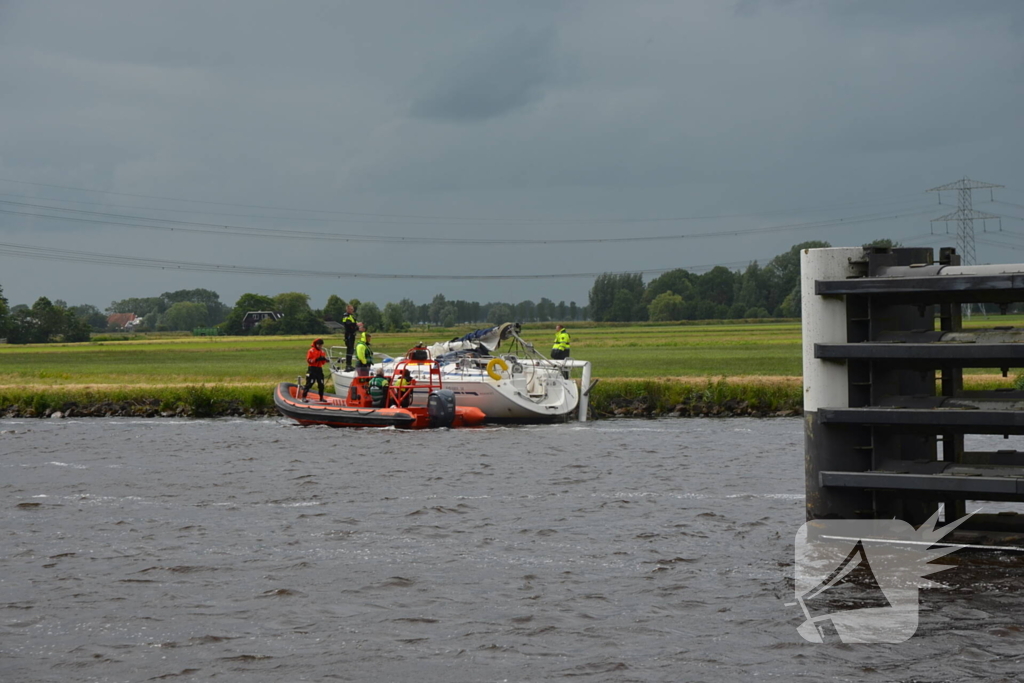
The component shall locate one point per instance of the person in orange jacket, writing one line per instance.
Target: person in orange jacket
(316, 359)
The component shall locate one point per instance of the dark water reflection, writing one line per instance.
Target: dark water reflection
(625, 550)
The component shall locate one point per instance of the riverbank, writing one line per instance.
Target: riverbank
(751, 397)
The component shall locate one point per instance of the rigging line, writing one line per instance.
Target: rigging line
(55, 254)
(380, 215)
(276, 233)
(448, 221)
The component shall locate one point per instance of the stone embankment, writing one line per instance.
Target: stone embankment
(151, 408)
(728, 408)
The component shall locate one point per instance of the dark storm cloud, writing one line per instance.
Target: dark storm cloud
(494, 78)
(519, 110)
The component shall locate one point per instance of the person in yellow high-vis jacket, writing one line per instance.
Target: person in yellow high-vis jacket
(560, 349)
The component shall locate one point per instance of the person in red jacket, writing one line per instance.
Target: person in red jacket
(316, 359)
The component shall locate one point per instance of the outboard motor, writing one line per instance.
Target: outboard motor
(441, 408)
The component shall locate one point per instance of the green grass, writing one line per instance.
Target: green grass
(197, 400)
(617, 351)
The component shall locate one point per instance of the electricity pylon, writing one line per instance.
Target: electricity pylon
(965, 215)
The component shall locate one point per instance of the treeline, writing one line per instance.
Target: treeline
(394, 317)
(43, 322)
(771, 291)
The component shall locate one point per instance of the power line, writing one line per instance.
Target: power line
(68, 255)
(282, 233)
(451, 219)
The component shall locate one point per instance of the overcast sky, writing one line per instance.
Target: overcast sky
(510, 122)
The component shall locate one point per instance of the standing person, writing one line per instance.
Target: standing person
(560, 349)
(364, 355)
(362, 330)
(351, 327)
(316, 359)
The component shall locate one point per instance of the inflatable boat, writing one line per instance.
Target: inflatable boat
(422, 405)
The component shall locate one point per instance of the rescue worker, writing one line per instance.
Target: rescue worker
(560, 349)
(379, 388)
(316, 359)
(403, 388)
(351, 327)
(364, 355)
(362, 331)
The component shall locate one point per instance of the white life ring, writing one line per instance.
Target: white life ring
(496, 362)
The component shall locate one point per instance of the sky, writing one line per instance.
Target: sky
(488, 151)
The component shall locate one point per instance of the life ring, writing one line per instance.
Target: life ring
(496, 362)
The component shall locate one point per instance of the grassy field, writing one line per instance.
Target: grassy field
(619, 351)
(616, 352)
(631, 360)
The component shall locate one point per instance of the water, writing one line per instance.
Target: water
(253, 550)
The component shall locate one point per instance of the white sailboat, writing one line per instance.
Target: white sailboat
(520, 385)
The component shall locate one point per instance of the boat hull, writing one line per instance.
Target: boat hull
(505, 400)
(333, 412)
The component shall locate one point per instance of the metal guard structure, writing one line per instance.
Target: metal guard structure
(885, 408)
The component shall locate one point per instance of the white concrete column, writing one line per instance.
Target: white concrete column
(826, 383)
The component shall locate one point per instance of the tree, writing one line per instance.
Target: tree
(45, 322)
(5, 314)
(371, 315)
(625, 307)
(546, 309)
(678, 281)
(292, 304)
(436, 306)
(185, 315)
(394, 318)
(751, 290)
(526, 311)
(666, 306)
(790, 306)
(883, 243)
(617, 297)
(756, 312)
(449, 315)
(216, 311)
(335, 308)
(499, 313)
(717, 286)
(24, 328)
(782, 274)
(409, 311)
(304, 322)
(50, 317)
(246, 303)
(140, 307)
(74, 329)
(91, 316)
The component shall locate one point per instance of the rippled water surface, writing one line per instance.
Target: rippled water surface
(254, 550)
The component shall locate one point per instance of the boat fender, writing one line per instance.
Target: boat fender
(496, 363)
(441, 408)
